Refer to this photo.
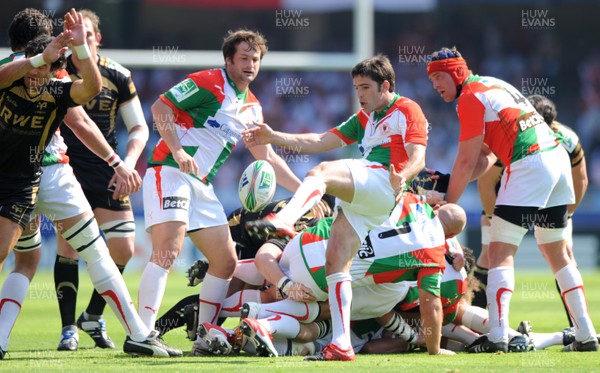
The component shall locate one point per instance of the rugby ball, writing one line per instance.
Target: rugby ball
(257, 186)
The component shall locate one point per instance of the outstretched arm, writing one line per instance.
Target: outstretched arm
(262, 134)
(90, 84)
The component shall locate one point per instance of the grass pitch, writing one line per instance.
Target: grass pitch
(36, 334)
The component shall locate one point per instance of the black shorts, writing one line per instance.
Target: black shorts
(18, 202)
(94, 178)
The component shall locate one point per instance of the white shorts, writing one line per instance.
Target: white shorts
(292, 264)
(373, 196)
(60, 195)
(372, 301)
(539, 180)
(367, 301)
(171, 195)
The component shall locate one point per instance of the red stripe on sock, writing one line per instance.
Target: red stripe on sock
(299, 318)
(338, 297)
(111, 294)
(499, 294)
(563, 296)
(8, 300)
(315, 193)
(217, 307)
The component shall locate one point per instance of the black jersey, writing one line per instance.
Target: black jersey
(117, 88)
(248, 245)
(27, 124)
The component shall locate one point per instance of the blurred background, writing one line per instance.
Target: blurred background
(541, 47)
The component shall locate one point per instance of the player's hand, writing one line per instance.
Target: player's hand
(125, 181)
(321, 210)
(443, 351)
(261, 134)
(397, 181)
(458, 261)
(186, 163)
(435, 198)
(74, 23)
(297, 292)
(57, 47)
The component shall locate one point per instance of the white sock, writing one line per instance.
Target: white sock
(150, 292)
(340, 298)
(246, 271)
(459, 333)
(476, 319)
(501, 283)
(212, 295)
(109, 283)
(232, 304)
(84, 237)
(307, 196)
(543, 340)
(571, 285)
(303, 312)
(282, 326)
(12, 296)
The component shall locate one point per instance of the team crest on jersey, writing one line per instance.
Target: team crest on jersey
(184, 90)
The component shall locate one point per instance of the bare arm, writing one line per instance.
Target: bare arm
(415, 163)
(464, 165)
(164, 119)
(262, 134)
(486, 185)
(432, 315)
(267, 263)
(88, 132)
(580, 184)
(90, 84)
(285, 176)
(15, 70)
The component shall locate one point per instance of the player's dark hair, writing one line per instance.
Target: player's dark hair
(444, 53)
(379, 69)
(26, 25)
(254, 38)
(469, 259)
(38, 44)
(544, 106)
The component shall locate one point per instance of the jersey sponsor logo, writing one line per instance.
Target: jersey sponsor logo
(181, 203)
(184, 90)
(366, 249)
(99, 104)
(223, 130)
(22, 121)
(529, 120)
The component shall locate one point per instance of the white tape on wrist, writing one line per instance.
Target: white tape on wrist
(37, 60)
(82, 51)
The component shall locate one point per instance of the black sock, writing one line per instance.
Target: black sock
(97, 302)
(173, 318)
(564, 304)
(66, 282)
(479, 296)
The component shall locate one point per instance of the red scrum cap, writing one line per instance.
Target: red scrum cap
(448, 62)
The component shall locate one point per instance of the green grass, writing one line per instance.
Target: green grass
(36, 334)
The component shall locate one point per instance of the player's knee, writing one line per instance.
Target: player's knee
(84, 237)
(118, 229)
(506, 232)
(29, 242)
(549, 235)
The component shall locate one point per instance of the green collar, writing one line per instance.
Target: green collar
(240, 95)
(377, 115)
